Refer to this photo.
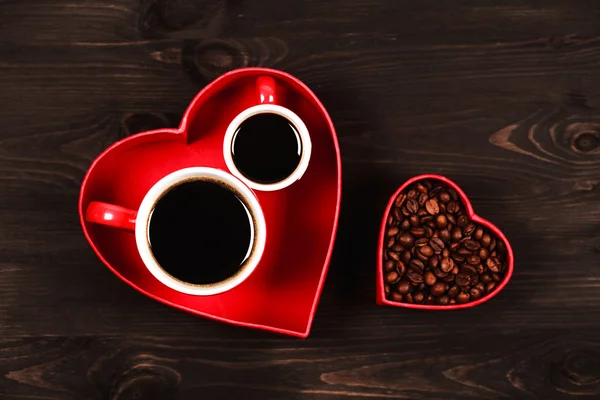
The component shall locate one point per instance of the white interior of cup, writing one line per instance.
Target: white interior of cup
(189, 174)
(268, 109)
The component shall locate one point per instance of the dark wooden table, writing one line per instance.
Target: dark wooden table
(501, 96)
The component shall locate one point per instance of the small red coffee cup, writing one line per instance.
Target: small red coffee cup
(380, 284)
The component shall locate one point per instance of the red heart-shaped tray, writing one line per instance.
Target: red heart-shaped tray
(380, 290)
(282, 293)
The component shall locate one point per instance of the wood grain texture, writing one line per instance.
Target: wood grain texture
(502, 97)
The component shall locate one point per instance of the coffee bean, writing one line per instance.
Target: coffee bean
(421, 188)
(445, 235)
(452, 207)
(387, 289)
(412, 205)
(412, 194)
(437, 245)
(392, 277)
(451, 220)
(493, 243)
(459, 258)
(391, 242)
(405, 225)
(453, 291)
(501, 246)
(406, 240)
(390, 221)
(389, 265)
(471, 245)
(439, 273)
(392, 231)
(478, 233)
(486, 278)
(464, 252)
(446, 253)
(417, 265)
(473, 259)
(435, 191)
(420, 242)
(393, 256)
(395, 296)
(480, 286)
(443, 300)
(469, 270)
(406, 256)
(456, 234)
(493, 264)
(423, 199)
(462, 298)
(490, 287)
(414, 277)
(462, 220)
(444, 197)
(430, 300)
(418, 232)
(450, 277)
(397, 248)
(447, 264)
(475, 293)
(429, 278)
(404, 287)
(438, 289)
(483, 253)
(434, 261)
(428, 231)
(469, 229)
(426, 219)
(496, 277)
(432, 207)
(400, 267)
(453, 194)
(441, 221)
(486, 240)
(480, 269)
(418, 297)
(414, 220)
(422, 212)
(426, 251)
(462, 279)
(442, 208)
(454, 246)
(400, 200)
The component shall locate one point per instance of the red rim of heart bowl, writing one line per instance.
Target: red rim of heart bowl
(381, 299)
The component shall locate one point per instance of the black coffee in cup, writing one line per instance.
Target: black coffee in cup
(201, 232)
(266, 148)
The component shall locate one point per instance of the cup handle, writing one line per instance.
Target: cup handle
(266, 90)
(111, 215)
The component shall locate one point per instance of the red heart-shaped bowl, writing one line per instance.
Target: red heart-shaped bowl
(282, 293)
(380, 295)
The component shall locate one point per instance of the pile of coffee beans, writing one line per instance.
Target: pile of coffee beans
(434, 254)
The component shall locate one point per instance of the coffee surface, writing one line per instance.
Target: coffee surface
(200, 232)
(266, 148)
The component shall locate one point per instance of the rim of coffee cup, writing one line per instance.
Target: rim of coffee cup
(266, 109)
(160, 188)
